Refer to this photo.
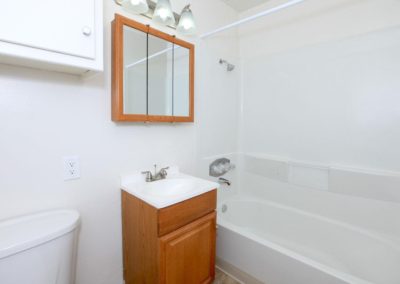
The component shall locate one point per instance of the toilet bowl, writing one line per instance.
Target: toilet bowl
(39, 248)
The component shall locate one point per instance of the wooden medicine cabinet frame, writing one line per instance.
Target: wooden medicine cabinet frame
(118, 75)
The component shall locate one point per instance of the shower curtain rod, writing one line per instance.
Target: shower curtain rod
(232, 25)
(252, 18)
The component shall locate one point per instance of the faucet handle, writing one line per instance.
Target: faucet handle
(164, 172)
(149, 175)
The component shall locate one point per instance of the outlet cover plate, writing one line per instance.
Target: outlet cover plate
(71, 168)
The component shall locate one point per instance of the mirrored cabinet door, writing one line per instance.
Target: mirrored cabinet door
(153, 74)
(160, 78)
(135, 71)
(181, 99)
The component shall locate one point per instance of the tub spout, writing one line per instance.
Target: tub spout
(224, 181)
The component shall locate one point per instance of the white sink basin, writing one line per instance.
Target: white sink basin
(177, 187)
(171, 186)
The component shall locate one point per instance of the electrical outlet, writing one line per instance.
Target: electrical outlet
(71, 168)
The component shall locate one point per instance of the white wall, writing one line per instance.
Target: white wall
(320, 83)
(45, 116)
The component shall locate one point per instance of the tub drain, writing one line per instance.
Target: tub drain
(224, 208)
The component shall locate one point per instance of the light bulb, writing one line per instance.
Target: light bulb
(187, 24)
(136, 6)
(163, 14)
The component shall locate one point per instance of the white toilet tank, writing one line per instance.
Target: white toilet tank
(39, 248)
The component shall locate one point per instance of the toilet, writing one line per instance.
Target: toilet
(39, 248)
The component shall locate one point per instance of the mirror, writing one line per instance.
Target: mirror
(160, 62)
(153, 74)
(135, 72)
(181, 81)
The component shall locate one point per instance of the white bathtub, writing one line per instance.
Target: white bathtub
(277, 244)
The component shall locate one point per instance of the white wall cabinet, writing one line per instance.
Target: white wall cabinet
(57, 35)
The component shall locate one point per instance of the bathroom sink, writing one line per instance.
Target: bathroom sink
(170, 186)
(177, 187)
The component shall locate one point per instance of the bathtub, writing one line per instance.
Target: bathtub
(277, 244)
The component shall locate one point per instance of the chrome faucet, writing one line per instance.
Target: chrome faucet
(162, 174)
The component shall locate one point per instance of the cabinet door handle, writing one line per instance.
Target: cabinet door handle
(87, 31)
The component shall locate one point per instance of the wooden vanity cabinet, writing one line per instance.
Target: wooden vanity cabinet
(171, 245)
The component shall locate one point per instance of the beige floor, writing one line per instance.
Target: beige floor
(222, 278)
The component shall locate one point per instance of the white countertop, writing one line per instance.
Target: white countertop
(176, 188)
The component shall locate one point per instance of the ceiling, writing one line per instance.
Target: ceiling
(243, 5)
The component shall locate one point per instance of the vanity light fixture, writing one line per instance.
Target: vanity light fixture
(135, 6)
(161, 12)
(186, 23)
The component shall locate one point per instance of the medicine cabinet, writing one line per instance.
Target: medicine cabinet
(153, 74)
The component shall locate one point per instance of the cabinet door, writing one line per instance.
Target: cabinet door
(60, 26)
(188, 254)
